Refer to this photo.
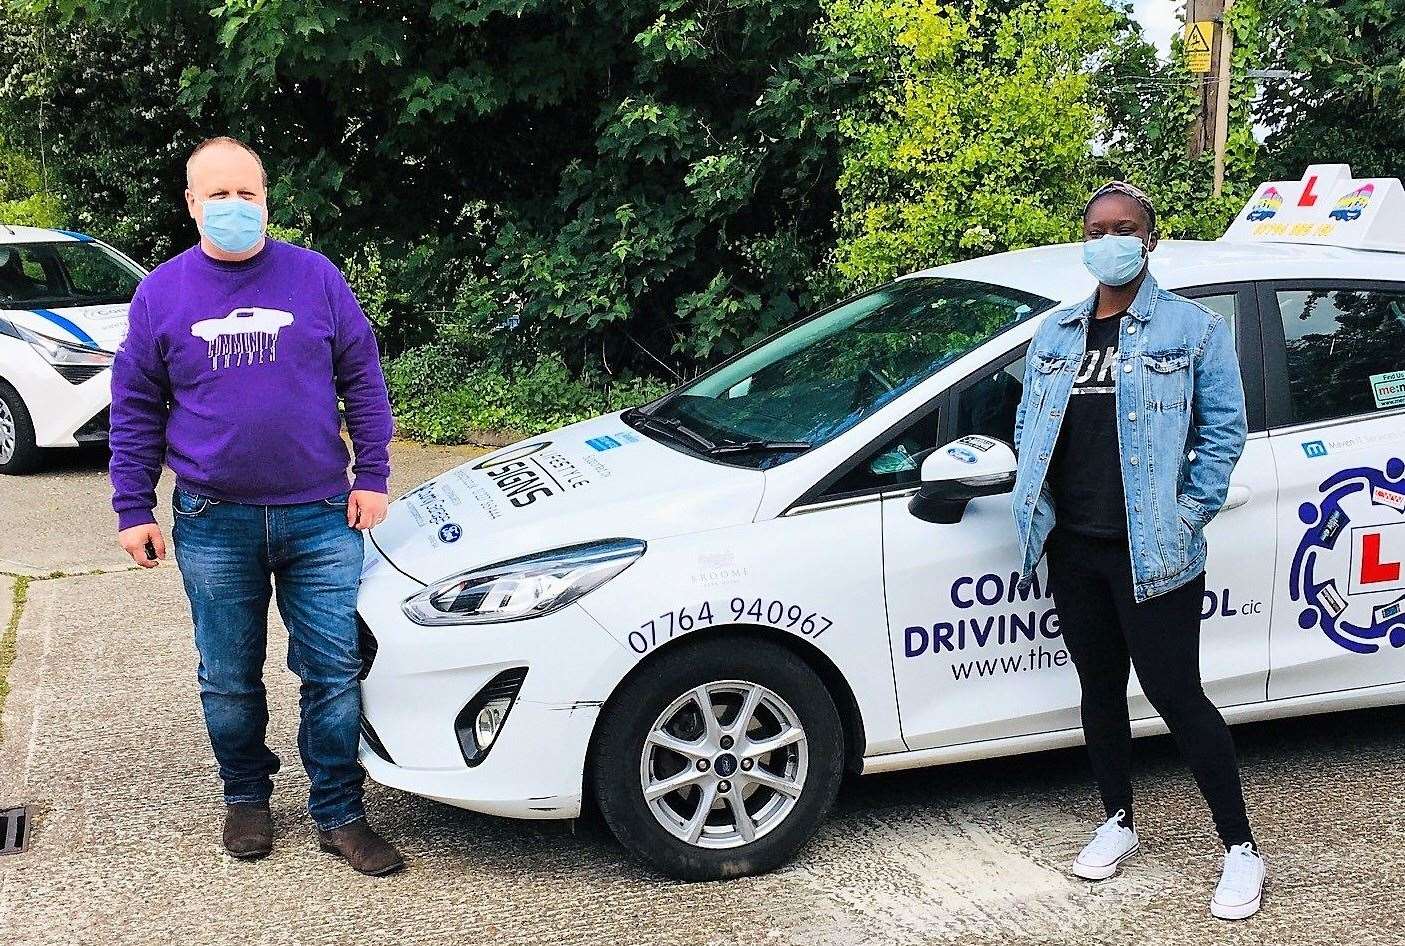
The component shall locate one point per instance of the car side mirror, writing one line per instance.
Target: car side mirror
(953, 475)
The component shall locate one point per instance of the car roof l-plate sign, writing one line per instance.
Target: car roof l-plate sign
(1327, 207)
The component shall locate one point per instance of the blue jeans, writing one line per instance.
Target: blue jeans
(232, 557)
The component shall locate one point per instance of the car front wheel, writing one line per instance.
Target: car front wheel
(18, 454)
(720, 761)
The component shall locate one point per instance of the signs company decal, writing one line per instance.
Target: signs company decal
(1349, 568)
(532, 472)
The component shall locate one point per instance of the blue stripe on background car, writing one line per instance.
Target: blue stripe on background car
(80, 237)
(67, 325)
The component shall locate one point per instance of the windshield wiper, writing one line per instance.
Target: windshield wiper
(758, 446)
(675, 428)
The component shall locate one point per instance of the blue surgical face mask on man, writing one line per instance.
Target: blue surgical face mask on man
(232, 223)
(1114, 260)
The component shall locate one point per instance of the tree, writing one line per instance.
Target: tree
(1345, 101)
(1149, 105)
(614, 177)
(23, 199)
(977, 136)
(114, 139)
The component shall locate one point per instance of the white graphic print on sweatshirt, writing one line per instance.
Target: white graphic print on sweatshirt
(243, 336)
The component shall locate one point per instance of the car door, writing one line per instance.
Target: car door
(975, 658)
(1336, 384)
(1236, 614)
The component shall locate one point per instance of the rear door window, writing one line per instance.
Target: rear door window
(1343, 351)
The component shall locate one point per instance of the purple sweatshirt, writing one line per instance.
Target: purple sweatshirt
(231, 373)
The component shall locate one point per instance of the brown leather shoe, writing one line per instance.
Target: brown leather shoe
(363, 849)
(248, 830)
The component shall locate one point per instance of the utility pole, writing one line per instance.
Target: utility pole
(1223, 54)
(1207, 47)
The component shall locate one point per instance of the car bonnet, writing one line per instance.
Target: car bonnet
(598, 479)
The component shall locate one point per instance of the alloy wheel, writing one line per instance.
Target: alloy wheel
(7, 432)
(724, 764)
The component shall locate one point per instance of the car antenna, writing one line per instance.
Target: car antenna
(8, 227)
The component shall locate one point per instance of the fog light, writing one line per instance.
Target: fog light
(482, 718)
(488, 722)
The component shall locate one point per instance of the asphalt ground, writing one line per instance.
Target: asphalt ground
(102, 734)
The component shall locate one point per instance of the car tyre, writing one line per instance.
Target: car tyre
(18, 453)
(786, 692)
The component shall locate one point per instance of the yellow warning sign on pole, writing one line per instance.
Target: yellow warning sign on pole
(1198, 37)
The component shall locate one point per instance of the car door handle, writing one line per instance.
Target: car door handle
(1237, 496)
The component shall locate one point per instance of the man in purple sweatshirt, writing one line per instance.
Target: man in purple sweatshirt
(237, 353)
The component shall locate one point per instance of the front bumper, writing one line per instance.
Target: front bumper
(63, 413)
(534, 770)
(420, 678)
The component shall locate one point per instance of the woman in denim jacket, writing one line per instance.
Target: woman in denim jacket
(1131, 421)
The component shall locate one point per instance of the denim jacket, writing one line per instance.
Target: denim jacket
(1180, 429)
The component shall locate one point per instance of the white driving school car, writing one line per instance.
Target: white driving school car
(63, 312)
(701, 612)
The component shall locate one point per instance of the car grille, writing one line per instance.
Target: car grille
(77, 374)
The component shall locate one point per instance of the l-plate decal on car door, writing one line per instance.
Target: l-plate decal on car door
(1348, 569)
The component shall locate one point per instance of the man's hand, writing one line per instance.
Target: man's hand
(134, 542)
(365, 509)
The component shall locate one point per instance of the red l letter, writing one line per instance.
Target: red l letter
(1308, 198)
(1372, 568)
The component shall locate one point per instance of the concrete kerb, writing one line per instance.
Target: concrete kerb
(11, 598)
(15, 705)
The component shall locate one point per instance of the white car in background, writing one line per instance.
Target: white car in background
(63, 312)
(699, 613)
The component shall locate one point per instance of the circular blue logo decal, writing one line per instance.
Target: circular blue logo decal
(449, 532)
(962, 454)
(1348, 569)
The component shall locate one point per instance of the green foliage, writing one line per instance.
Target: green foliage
(531, 197)
(23, 200)
(441, 401)
(975, 138)
(1150, 107)
(1346, 100)
(115, 143)
(656, 178)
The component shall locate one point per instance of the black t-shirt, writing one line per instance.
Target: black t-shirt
(1085, 474)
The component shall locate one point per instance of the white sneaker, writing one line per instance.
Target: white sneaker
(1111, 845)
(1241, 887)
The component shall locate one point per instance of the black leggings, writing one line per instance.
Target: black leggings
(1106, 631)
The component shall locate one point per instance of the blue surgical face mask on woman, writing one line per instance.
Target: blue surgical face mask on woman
(232, 223)
(1114, 260)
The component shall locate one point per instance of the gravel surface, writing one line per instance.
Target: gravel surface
(102, 734)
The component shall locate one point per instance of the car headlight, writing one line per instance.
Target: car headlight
(522, 588)
(59, 353)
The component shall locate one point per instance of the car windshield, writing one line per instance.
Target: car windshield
(55, 275)
(822, 377)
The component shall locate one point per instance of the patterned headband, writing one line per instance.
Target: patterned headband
(1128, 190)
